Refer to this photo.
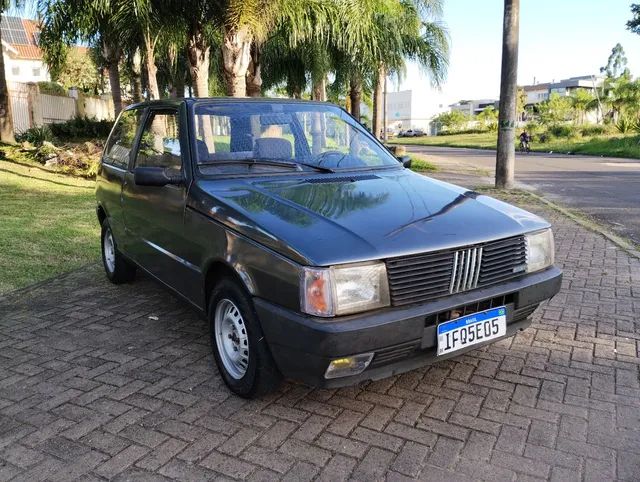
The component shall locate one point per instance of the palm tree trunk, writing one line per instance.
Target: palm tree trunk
(198, 55)
(505, 156)
(150, 65)
(319, 91)
(254, 77)
(6, 119)
(113, 57)
(136, 77)
(355, 94)
(236, 56)
(378, 102)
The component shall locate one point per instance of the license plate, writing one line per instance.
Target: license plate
(471, 329)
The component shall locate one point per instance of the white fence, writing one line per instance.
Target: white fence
(56, 108)
(19, 98)
(32, 108)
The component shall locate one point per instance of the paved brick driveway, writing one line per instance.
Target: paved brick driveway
(93, 387)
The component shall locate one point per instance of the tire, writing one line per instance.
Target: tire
(118, 269)
(239, 346)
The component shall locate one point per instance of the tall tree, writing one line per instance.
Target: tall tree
(505, 156)
(246, 27)
(414, 33)
(66, 22)
(6, 119)
(582, 101)
(141, 23)
(616, 63)
(634, 23)
(200, 20)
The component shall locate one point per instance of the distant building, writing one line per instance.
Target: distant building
(23, 59)
(474, 107)
(22, 56)
(405, 111)
(537, 93)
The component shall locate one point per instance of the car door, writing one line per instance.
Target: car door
(154, 215)
(113, 169)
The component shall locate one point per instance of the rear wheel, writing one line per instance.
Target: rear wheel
(239, 347)
(118, 269)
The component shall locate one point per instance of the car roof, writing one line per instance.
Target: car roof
(176, 101)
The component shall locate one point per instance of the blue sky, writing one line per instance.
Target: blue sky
(558, 39)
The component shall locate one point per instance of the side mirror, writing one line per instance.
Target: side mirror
(405, 161)
(156, 176)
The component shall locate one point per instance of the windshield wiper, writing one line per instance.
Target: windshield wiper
(316, 167)
(268, 162)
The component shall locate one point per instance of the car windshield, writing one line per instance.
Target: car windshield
(253, 137)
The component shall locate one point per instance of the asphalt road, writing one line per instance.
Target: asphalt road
(608, 189)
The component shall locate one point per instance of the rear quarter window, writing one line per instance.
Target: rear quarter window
(118, 149)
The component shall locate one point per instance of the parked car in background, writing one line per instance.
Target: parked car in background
(411, 133)
(312, 252)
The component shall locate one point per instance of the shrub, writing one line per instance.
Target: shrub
(562, 130)
(36, 135)
(594, 130)
(533, 127)
(454, 121)
(625, 124)
(51, 88)
(82, 128)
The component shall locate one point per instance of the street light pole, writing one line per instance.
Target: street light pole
(506, 154)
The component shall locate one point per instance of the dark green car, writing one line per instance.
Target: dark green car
(312, 251)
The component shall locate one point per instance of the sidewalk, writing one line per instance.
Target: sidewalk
(93, 387)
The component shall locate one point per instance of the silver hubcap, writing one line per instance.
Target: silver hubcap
(109, 251)
(231, 338)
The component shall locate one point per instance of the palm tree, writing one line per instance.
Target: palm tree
(582, 102)
(413, 34)
(246, 28)
(142, 23)
(66, 22)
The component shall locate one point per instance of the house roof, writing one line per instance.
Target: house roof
(22, 35)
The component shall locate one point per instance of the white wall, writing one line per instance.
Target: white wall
(405, 110)
(20, 70)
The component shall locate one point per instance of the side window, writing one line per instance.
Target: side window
(121, 140)
(160, 141)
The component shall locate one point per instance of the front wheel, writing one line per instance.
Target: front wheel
(240, 349)
(117, 268)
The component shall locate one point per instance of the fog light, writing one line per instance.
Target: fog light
(348, 365)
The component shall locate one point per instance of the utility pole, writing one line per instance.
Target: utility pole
(506, 154)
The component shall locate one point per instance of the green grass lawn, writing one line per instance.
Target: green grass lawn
(420, 163)
(614, 145)
(48, 223)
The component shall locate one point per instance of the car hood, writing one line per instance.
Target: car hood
(326, 219)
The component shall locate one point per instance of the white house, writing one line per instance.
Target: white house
(22, 56)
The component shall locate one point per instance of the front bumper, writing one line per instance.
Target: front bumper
(403, 338)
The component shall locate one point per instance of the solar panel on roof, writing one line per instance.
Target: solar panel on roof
(13, 31)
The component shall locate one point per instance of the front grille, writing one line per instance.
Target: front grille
(423, 277)
(502, 260)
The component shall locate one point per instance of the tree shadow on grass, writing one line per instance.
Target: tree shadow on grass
(8, 171)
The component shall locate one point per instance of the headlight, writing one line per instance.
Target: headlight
(341, 290)
(540, 250)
